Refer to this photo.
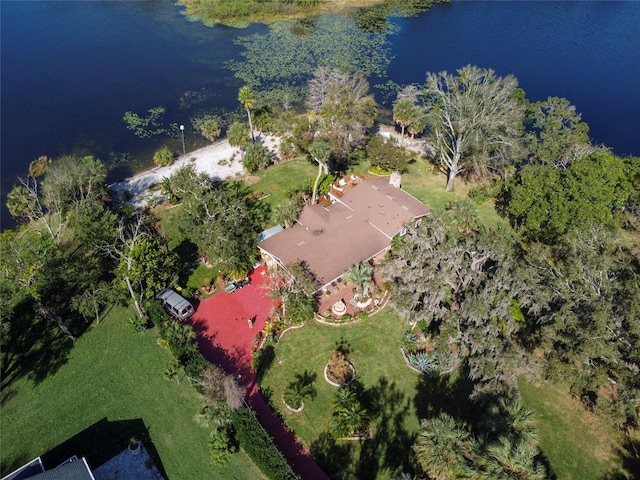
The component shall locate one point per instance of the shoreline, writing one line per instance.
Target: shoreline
(219, 160)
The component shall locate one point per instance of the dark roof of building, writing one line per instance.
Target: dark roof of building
(76, 469)
(27, 470)
(361, 224)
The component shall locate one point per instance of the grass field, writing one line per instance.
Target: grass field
(578, 444)
(279, 180)
(429, 187)
(392, 392)
(115, 374)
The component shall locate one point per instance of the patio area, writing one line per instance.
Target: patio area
(341, 290)
(128, 465)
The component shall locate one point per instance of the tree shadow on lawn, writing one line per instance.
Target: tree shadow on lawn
(188, 254)
(444, 394)
(388, 449)
(629, 453)
(33, 346)
(102, 441)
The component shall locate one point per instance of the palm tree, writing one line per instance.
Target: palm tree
(214, 416)
(247, 98)
(209, 126)
(350, 420)
(237, 135)
(361, 275)
(418, 125)
(510, 418)
(512, 459)
(443, 448)
(320, 151)
(349, 416)
(522, 421)
(404, 113)
(296, 393)
(286, 212)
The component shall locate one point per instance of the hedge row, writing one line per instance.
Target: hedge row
(259, 446)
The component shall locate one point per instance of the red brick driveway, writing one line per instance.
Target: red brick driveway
(225, 339)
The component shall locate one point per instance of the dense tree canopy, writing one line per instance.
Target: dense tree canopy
(591, 328)
(67, 184)
(222, 219)
(342, 108)
(143, 262)
(557, 134)
(468, 287)
(544, 203)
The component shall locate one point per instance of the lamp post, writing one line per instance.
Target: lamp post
(184, 151)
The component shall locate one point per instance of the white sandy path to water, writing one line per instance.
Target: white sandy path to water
(220, 161)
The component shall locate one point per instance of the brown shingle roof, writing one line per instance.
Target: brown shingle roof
(333, 239)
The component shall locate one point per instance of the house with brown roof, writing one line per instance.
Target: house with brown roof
(360, 223)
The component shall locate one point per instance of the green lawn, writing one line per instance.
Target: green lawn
(392, 393)
(578, 444)
(428, 185)
(113, 373)
(279, 180)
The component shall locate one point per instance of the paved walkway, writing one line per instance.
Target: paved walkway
(225, 339)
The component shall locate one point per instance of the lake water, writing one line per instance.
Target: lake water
(71, 69)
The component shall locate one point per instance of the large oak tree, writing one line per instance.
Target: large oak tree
(475, 120)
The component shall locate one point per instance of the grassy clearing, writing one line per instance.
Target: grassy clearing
(428, 185)
(375, 352)
(278, 180)
(116, 374)
(578, 444)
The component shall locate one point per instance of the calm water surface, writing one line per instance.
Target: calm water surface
(71, 69)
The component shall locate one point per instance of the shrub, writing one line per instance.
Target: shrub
(490, 190)
(156, 313)
(259, 446)
(379, 171)
(256, 157)
(163, 157)
(220, 447)
(409, 341)
(297, 391)
(424, 327)
(138, 324)
(339, 368)
(423, 362)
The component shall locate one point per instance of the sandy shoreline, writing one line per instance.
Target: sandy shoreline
(220, 161)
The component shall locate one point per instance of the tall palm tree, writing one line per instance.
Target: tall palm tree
(237, 135)
(513, 459)
(349, 416)
(443, 448)
(418, 125)
(361, 274)
(247, 98)
(286, 212)
(404, 113)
